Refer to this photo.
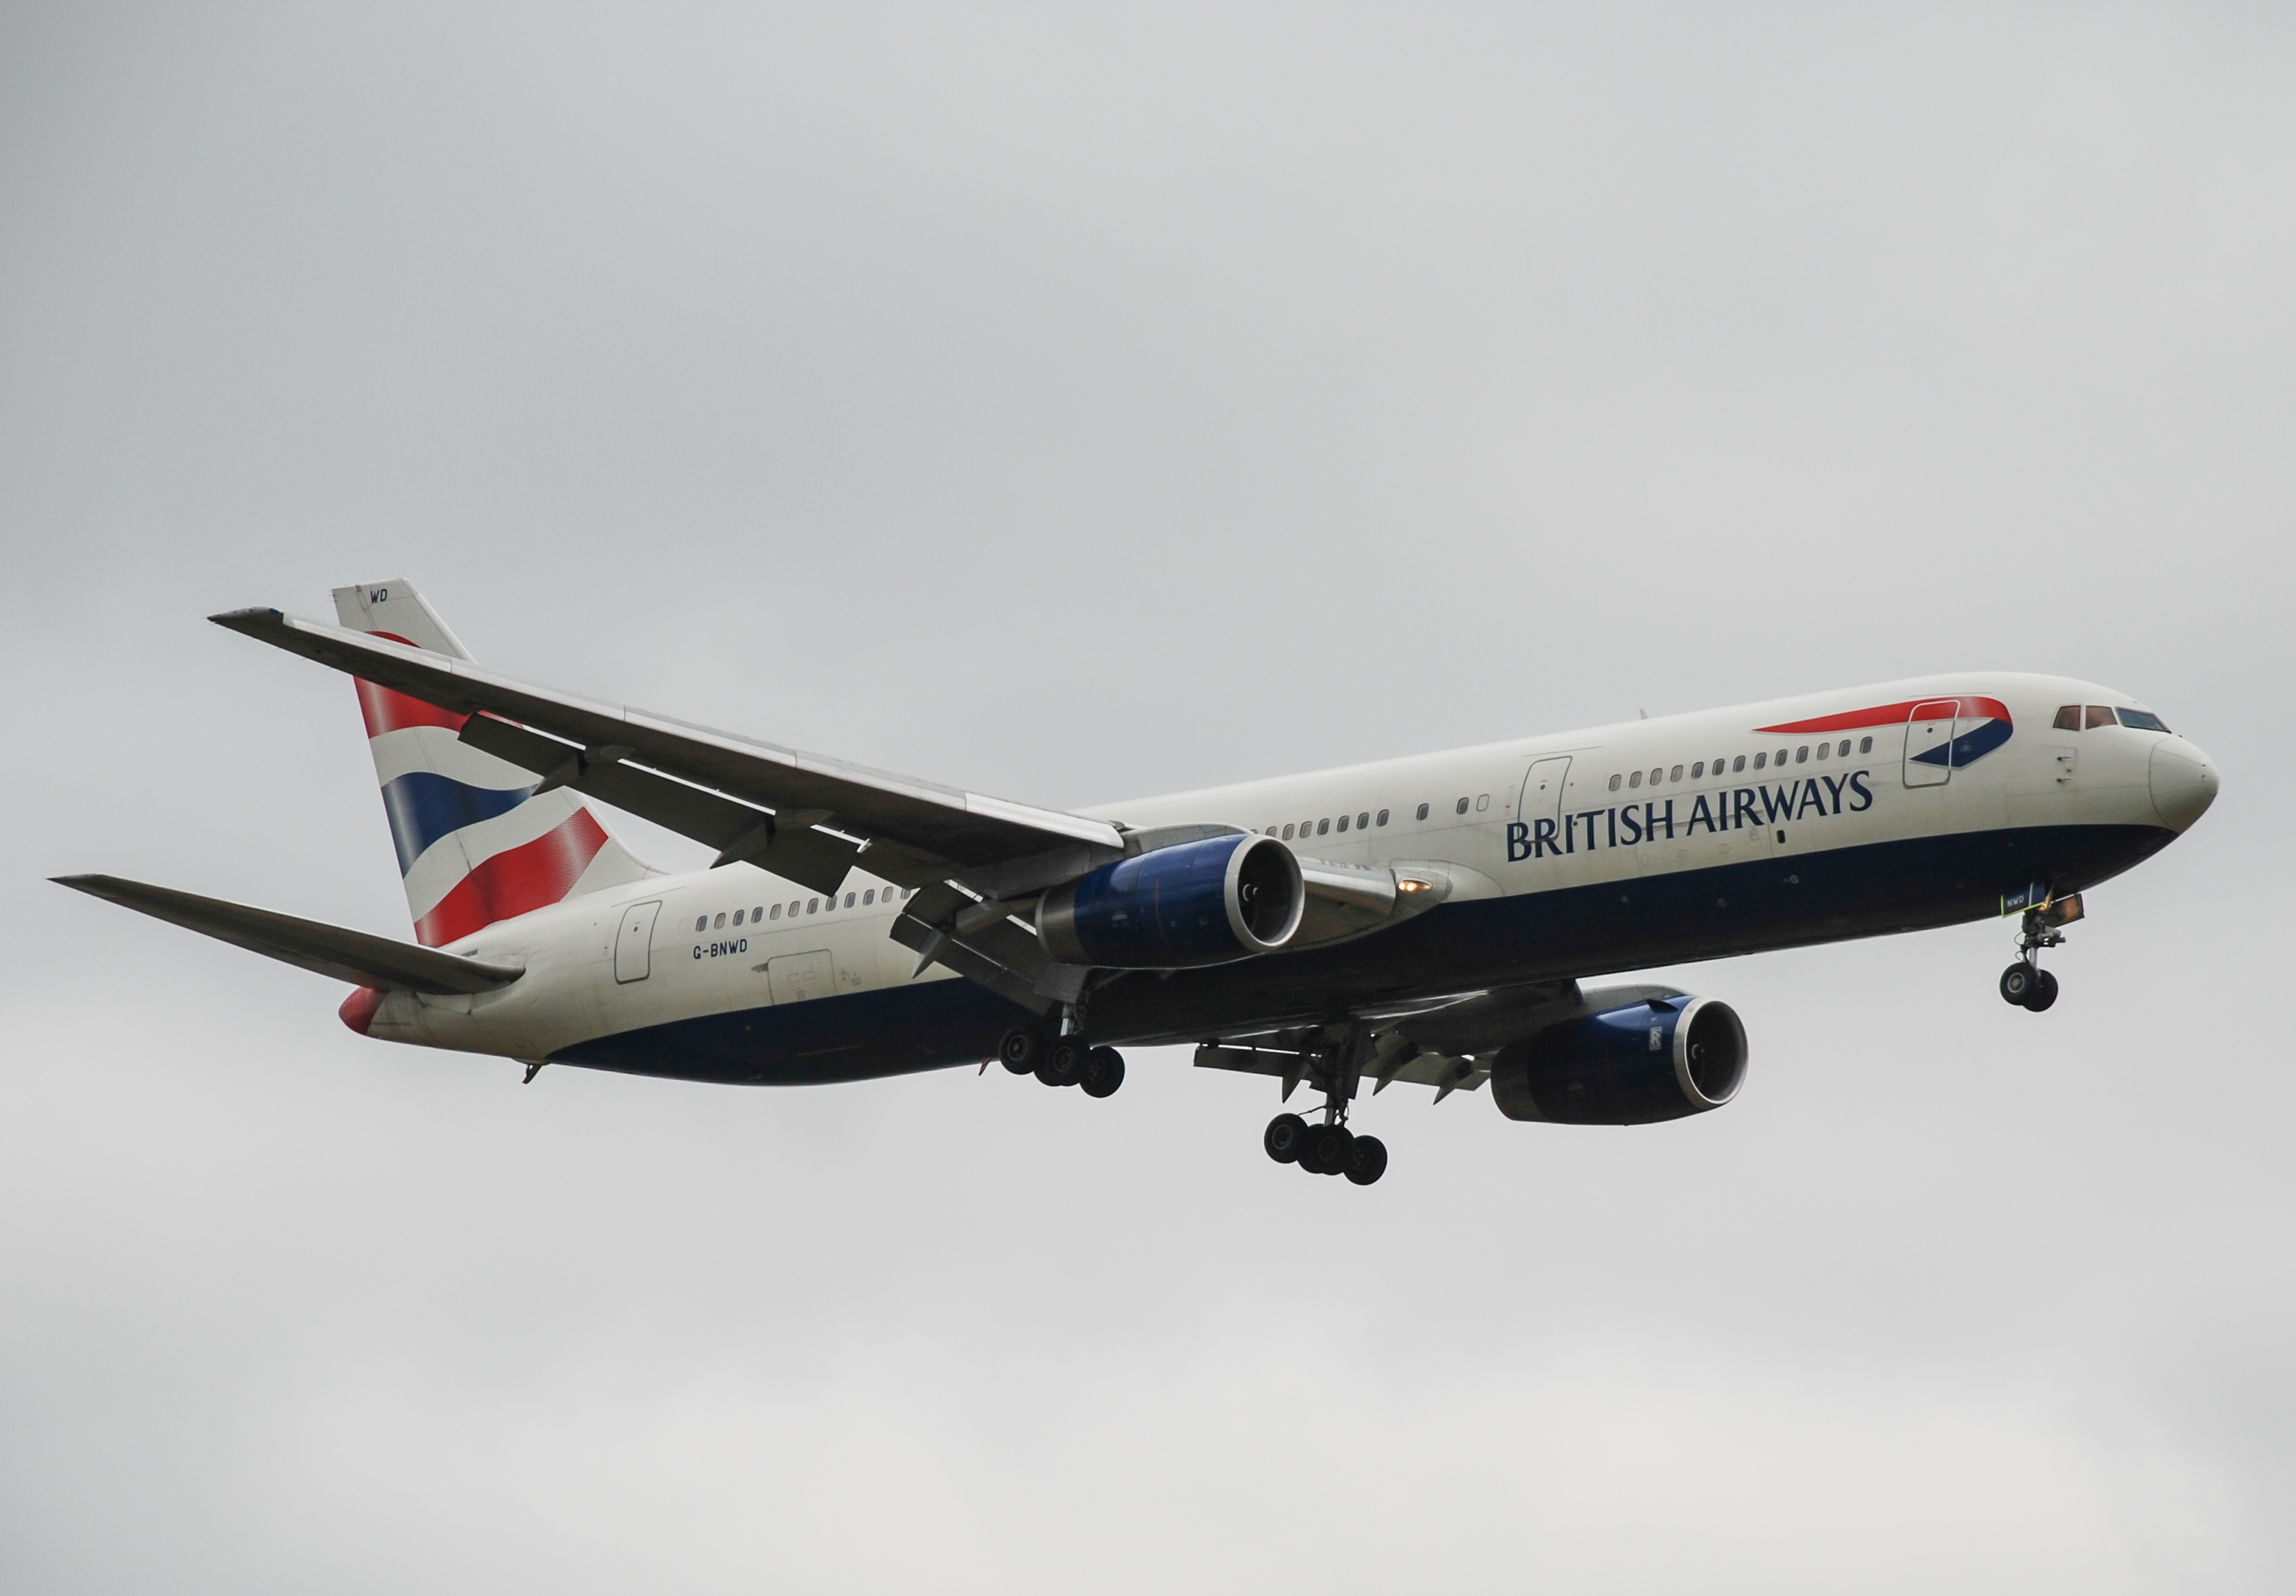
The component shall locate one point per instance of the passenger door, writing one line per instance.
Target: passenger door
(1928, 742)
(1542, 796)
(801, 978)
(634, 942)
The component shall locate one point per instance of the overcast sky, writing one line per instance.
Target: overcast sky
(1080, 404)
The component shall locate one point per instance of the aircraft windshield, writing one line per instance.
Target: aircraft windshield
(2141, 720)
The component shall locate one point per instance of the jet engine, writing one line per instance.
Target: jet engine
(1195, 903)
(1661, 1059)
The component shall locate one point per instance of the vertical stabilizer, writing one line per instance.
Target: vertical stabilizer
(476, 844)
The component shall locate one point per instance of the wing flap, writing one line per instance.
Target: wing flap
(926, 819)
(358, 957)
(814, 858)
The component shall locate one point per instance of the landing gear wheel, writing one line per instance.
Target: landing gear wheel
(2018, 983)
(1104, 1072)
(2045, 991)
(1022, 1046)
(1062, 1064)
(1326, 1149)
(1286, 1134)
(1367, 1161)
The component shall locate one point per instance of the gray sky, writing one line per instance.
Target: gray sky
(1077, 405)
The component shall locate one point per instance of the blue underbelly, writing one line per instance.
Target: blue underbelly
(1571, 932)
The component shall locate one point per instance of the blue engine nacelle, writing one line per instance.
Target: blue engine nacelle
(1637, 1065)
(1197, 903)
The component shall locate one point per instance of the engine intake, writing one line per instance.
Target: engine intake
(1638, 1065)
(1198, 902)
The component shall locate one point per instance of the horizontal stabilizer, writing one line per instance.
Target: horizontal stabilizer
(358, 957)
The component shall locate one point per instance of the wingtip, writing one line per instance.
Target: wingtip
(248, 620)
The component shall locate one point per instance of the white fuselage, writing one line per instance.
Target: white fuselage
(1612, 805)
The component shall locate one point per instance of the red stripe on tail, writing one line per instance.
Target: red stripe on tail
(515, 881)
(384, 710)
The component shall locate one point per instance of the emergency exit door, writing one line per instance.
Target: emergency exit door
(634, 942)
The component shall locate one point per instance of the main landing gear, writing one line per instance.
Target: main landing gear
(2025, 983)
(1325, 1149)
(1329, 1148)
(1066, 1060)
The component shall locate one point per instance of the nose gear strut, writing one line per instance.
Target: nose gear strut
(2025, 983)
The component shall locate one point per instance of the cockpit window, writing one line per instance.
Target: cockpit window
(2141, 720)
(2069, 718)
(2099, 714)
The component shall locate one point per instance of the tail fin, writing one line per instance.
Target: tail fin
(476, 843)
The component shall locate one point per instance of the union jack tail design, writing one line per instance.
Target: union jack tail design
(476, 843)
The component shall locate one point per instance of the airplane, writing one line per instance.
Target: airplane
(1426, 919)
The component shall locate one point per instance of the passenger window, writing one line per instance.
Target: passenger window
(737, 917)
(1864, 745)
(1463, 805)
(1383, 817)
(1614, 784)
(811, 905)
(1698, 770)
(1656, 776)
(1287, 833)
(1482, 802)
(1344, 823)
(869, 897)
(1677, 776)
(756, 915)
(793, 908)
(721, 920)
(777, 911)
(1802, 755)
(1761, 759)
(1363, 819)
(2142, 720)
(701, 924)
(1739, 763)
(1422, 812)
(2099, 714)
(1635, 780)
(1322, 827)
(849, 900)
(2067, 717)
(1824, 750)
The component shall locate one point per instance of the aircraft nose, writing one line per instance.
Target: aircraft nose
(2184, 782)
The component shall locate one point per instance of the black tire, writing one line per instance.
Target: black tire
(2017, 984)
(1326, 1149)
(1062, 1064)
(1022, 1046)
(1286, 1134)
(1367, 1161)
(1104, 1072)
(2045, 991)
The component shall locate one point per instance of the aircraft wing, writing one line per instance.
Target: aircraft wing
(358, 957)
(917, 831)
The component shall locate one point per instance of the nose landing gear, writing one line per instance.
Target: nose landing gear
(2025, 983)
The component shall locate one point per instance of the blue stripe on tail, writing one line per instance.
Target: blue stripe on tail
(424, 807)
